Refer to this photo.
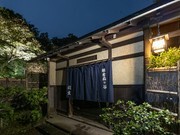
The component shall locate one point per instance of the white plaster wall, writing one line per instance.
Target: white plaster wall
(128, 49)
(52, 73)
(61, 64)
(128, 71)
(60, 75)
(83, 50)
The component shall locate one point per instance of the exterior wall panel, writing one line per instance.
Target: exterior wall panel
(100, 56)
(60, 77)
(61, 64)
(84, 50)
(128, 49)
(52, 73)
(136, 34)
(128, 71)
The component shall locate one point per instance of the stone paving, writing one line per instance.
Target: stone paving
(78, 126)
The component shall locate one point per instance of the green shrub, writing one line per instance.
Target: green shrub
(18, 105)
(6, 113)
(127, 118)
(26, 117)
(31, 99)
(165, 59)
(28, 105)
(7, 94)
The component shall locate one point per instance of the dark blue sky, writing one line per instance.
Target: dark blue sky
(61, 17)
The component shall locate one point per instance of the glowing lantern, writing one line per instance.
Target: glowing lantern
(159, 43)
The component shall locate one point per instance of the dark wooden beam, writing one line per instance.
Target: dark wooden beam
(111, 31)
(105, 43)
(63, 57)
(101, 41)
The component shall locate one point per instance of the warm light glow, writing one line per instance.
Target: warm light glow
(158, 45)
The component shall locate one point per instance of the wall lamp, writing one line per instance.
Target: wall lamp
(159, 43)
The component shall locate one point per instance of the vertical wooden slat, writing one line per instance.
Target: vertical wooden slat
(178, 70)
(110, 53)
(26, 77)
(178, 67)
(1, 123)
(147, 53)
(70, 102)
(48, 105)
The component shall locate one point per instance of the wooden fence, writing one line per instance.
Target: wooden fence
(36, 80)
(163, 89)
(33, 80)
(12, 82)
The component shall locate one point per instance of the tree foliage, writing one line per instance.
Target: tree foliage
(49, 44)
(18, 42)
(16, 37)
(21, 41)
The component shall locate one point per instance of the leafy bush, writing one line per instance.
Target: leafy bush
(21, 106)
(28, 116)
(7, 94)
(31, 99)
(127, 118)
(165, 59)
(6, 113)
(28, 105)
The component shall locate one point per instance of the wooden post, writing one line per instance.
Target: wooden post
(70, 110)
(48, 105)
(70, 102)
(1, 123)
(178, 70)
(147, 54)
(26, 75)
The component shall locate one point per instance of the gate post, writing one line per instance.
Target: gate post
(178, 70)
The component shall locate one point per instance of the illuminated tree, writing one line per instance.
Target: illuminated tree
(18, 42)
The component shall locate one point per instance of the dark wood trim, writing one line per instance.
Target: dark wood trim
(123, 43)
(70, 104)
(86, 59)
(113, 59)
(52, 85)
(115, 86)
(128, 56)
(110, 53)
(67, 63)
(128, 85)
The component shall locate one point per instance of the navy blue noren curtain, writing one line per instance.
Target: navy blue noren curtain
(91, 82)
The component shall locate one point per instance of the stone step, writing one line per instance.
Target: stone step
(47, 129)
